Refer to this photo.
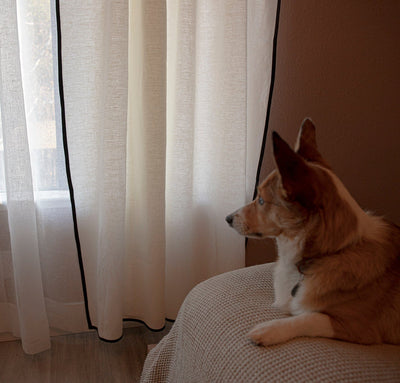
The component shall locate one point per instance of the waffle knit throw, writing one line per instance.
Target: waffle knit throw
(208, 342)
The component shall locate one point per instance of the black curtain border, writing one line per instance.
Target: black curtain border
(140, 322)
(271, 91)
(268, 112)
(67, 163)
(136, 321)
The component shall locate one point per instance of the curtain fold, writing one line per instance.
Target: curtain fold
(164, 110)
(28, 288)
(95, 49)
(206, 141)
(146, 146)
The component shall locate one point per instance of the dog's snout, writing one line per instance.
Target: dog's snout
(229, 219)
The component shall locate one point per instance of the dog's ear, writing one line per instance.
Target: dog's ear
(306, 144)
(296, 175)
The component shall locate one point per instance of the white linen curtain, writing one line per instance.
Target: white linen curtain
(151, 209)
(219, 60)
(165, 106)
(40, 289)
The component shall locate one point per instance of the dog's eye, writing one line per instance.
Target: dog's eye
(260, 201)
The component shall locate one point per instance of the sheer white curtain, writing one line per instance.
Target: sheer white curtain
(95, 70)
(40, 290)
(165, 107)
(206, 141)
(151, 209)
(219, 60)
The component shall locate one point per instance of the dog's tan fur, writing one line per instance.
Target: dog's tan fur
(338, 267)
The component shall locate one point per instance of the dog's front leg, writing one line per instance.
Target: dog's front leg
(281, 330)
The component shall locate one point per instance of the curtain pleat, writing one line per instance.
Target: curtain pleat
(144, 262)
(95, 48)
(40, 291)
(206, 141)
(29, 299)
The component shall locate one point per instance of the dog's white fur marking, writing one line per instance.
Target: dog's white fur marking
(286, 275)
(281, 330)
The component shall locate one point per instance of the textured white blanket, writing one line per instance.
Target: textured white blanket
(208, 342)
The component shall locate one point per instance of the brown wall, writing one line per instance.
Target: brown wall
(338, 62)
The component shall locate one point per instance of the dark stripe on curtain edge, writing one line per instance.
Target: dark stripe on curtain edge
(137, 321)
(71, 188)
(67, 164)
(271, 91)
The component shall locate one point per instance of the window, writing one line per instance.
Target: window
(38, 57)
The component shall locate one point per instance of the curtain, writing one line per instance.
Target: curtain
(40, 290)
(164, 105)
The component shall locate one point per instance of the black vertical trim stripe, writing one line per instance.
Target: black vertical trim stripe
(271, 91)
(67, 163)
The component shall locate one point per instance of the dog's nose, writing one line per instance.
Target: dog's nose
(229, 219)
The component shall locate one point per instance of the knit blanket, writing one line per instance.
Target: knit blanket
(208, 342)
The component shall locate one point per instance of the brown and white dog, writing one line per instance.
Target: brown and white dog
(338, 267)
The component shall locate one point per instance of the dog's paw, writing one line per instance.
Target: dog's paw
(276, 305)
(283, 307)
(269, 333)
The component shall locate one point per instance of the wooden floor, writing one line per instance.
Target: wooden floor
(80, 358)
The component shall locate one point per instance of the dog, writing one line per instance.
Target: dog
(338, 266)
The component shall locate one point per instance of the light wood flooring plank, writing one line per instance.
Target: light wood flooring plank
(80, 358)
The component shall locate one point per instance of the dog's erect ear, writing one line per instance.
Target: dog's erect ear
(296, 175)
(306, 144)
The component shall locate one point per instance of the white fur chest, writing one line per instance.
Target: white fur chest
(286, 275)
